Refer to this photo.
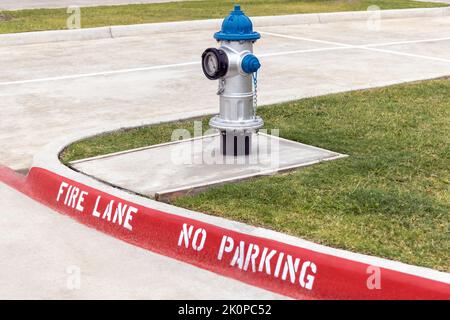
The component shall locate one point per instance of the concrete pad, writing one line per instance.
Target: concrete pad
(42, 251)
(49, 90)
(36, 4)
(188, 165)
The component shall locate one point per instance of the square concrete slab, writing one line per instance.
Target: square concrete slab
(174, 168)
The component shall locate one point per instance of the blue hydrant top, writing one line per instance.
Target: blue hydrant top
(237, 26)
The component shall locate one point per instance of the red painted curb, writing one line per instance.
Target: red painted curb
(279, 267)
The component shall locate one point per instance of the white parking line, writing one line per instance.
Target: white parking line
(370, 46)
(336, 46)
(279, 35)
(353, 46)
(283, 53)
(158, 67)
(407, 54)
(406, 42)
(103, 73)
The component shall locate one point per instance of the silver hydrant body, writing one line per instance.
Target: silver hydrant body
(235, 66)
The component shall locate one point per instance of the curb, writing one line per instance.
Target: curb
(274, 261)
(182, 26)
(294, 271)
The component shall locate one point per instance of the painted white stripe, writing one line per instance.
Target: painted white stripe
(406, 42)
(304, 39)
(370, 47)
(158, 67)
(408, 54)
(336, 46)
(103, 73)
(381, 44)
(283, 53)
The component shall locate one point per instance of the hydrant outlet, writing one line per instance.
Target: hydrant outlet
(250, 64)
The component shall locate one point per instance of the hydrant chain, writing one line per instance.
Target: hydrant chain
(255, 93)
(221, 86)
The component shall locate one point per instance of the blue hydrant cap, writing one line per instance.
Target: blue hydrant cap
(250, 64)
(237, 26)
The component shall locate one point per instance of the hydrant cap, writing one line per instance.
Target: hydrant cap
(250, 64)
(237, 26)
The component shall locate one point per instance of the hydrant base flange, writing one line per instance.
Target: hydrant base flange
(240, 125)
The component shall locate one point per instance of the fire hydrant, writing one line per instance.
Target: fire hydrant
(234, 64)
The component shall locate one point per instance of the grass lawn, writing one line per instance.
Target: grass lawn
(389, 198)
(54, 19)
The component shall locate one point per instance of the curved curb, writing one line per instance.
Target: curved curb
(296, 271)
(194, 25)
(261, 257)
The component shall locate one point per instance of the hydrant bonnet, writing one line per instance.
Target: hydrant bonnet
(237, 26)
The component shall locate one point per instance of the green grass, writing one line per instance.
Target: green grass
(389, 198)
(125, 139)
(55, 19)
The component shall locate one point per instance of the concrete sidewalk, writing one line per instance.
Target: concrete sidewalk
(55, 89)
(43, 253)
(38, 4)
